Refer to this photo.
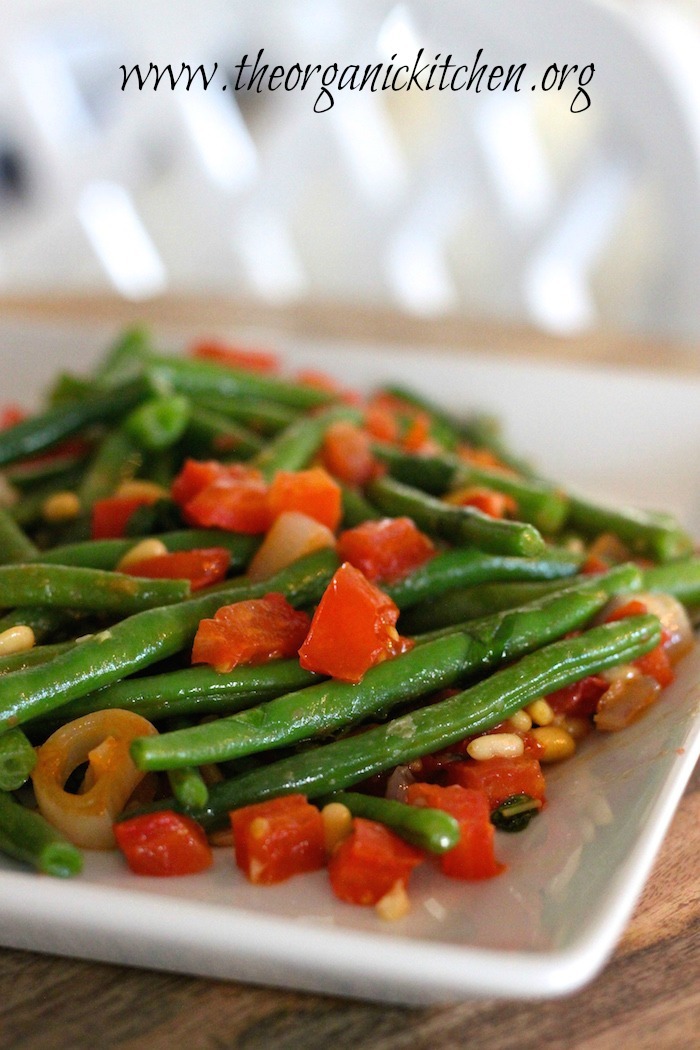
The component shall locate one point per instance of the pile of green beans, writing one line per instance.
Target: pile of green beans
(490, 615)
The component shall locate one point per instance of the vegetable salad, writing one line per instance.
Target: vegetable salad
(251, 610)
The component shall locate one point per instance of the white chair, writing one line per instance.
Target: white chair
(501, 204)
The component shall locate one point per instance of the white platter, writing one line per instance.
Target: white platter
(549, 923)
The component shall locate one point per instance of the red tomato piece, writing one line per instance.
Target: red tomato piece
(11, 415)
(369, 863)
(276, 839)
(488, 501)
(163, 843)
(347, 454)
(250, 632)
(387, 549)
(251, 360)
(312, 492)
(473, 857)
(321, 381)
(580, 699)
(236, 504)
(499, 778)
(353, 628)
(194, 476)
(656, 663)
(110, 516)
(201, 566)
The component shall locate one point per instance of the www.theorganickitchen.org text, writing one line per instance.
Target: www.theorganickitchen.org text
(253, 74)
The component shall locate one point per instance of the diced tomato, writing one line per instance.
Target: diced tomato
(110, 516)
(580, 699)
(488, 501)
(321, 381)
(236, 504)
(381, 422)
(11, 415)
(387, 549)
(499, 778)
(483, 457)
(163, 843)
(655, 663)
(276, 839)
(202, 566)
(353, 628)
(417, 435)
(254, 631)
(194, 476)
(369, 863)
(347, 454)
(473, 857)
(252, 360)
(312, 491)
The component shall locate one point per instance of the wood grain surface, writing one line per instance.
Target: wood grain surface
(647, 998)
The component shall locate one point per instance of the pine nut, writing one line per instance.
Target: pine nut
(61, 506)
(578, 727)
(394, 904)
(136, 488)
(337, 825)
(521, 721)
(558, 744)
(17, 639)
(540, 712)
(148, 548)
(259, 827)
(495, 745)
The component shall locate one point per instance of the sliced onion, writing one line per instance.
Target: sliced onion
(398, 783)
(102, 739)
(672, 615)
(625, 701)
(291, 536)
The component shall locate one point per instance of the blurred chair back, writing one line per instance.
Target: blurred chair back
(500, 204)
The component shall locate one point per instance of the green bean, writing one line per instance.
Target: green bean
(105, 554)
(29, 510)
(337, 765)
(69, 388)
(125, 358)
(14, 544)
(460, 525)
(335, 705)
(38, 654)
(542, 505)
(17, 760)
(443, 428)
(117, 459)
(429, 829)
(263, 417)
(186, 783)
(644, 532)
(43, 620)
(27, 475)
(41, 431)
(210, 432)
(75, 587)
(679, 578)
(294, 447)
(622, 579)
(27, 837)
(468, 603)
(143, 639)
(194, 691)
(202, 378)
(159, 422)
(356, 508)
(452, 569)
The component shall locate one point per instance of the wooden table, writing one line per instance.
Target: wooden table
(647, 997)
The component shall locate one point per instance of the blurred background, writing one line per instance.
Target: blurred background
(499, 205)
